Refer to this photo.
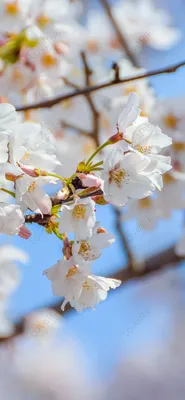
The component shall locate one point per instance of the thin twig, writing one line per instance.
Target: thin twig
(121, 37)
(43, 220)
(95, 113)
(87, 90)
(119, 227)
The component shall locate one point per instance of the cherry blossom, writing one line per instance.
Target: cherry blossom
(90, 248)
(78, 217)
(11, 219)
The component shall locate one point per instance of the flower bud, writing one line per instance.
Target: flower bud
(24, 232)
(116, 138)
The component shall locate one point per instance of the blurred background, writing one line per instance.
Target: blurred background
(133, 343)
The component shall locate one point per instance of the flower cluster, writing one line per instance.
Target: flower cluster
(131, 169)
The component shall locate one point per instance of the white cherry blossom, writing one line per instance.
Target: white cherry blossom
(144, 23)
(147, 138)
(79, 218)
(94, 290)
(11, 219)
(68, 276)
(91, 248)
(9, 273)
(123, 177)
(32, 145)
(29, 193)
(8, 117)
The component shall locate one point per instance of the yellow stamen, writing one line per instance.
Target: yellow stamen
(178, 146)
(79, 211)
(48, 60)
(32, 187)
(86, 286)
(117, 176)
(170, 121)
(12, 8)
(43, 20)
(168, 179)
(26, 156)
(16, 75)
(84, 248)
(72, 271)
(143, 149)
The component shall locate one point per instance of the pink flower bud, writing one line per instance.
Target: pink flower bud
(24, 232)
(90, 180)
(27, 170)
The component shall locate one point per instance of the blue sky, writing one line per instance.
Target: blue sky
(102, 332)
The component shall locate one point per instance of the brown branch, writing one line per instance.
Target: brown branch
(119, 227)
(122, 39)
(87, 71)
(43, 220)
(95, 113)
(87, 90)
(153, 264)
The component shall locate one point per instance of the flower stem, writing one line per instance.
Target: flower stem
(8, 191)
(97, 151)
(57, 176)
(95, 166)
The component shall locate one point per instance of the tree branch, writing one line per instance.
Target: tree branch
(118, 216)
(95, 113)
(122, 39)
(87, 90)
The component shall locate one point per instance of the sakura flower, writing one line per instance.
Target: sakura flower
(8, 117)
(129, 113)
(79, 218)
(13, 15)
(11, 219)
(147, 138)
(9, 273)
(144, 211)
(68, 276)
(24, 232)
(123, 177)
(145, 24)
(47, 13)
(94, 290)
(42, 323)
(29, 193)
(90, 249)
(32, 146)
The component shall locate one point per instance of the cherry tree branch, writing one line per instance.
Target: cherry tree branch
(119, 228)
(95, 114)
(153, 265)
(87, 90)
(121, 37)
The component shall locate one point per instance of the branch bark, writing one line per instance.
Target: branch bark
(87, 90)
(121, 37)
